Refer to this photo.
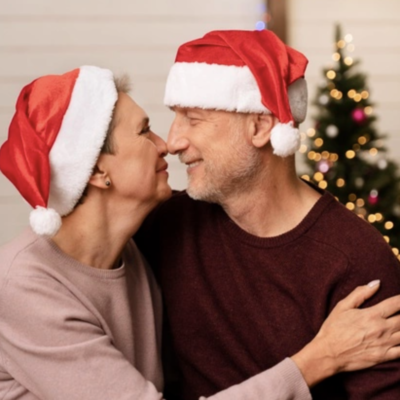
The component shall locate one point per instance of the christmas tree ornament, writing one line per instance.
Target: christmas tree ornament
(359, 182)
(382, 164)
(358, 115)
(373, 197)
(323, 99)
(332, 131)
(323, 166)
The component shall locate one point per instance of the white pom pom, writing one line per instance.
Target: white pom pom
(45, 221)
(285, 139)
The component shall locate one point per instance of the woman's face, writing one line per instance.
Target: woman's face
(137, 169)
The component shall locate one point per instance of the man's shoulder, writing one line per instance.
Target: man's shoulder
(353, 237)
(338, 225)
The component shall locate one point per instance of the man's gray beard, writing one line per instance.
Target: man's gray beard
(229, 183)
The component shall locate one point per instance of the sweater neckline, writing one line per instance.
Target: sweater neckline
(69, 262)
(267, 242)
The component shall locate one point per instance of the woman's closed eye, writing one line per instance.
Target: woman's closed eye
(145, 130)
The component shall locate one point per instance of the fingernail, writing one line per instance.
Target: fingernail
(374, 283)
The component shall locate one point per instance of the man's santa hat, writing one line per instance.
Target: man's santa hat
(243, 71)
(54, 140)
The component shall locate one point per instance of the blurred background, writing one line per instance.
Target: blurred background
(140, 38)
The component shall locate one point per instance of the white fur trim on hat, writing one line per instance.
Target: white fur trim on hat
(81, 137)
(225, 87)
(45, 221)
(213, 86)
(285, 139)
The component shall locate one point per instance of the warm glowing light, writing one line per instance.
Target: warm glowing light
(360, 203)
(387, 239)
(351, 48)
(323, 184)
(362, 140)
(373, 151)
(318, 142)
(368, 110)
(305, 177)
(352, 197)
(311, 132)
(333, 157)
(351, 93)
(379, 217)
(334, 92)
(318, 176)
(340, 182)
(303, 148)
(350, 154)
(325, 155)
(371, 218)
(357, 98)
(318, 157)
(362, 211)
(348, 38)
(364, 94)
(350, 206)
(348, 61)
(395, 251)
(389, 225)
(341, 44)
(331, 74)
(303, 136)
(311, 155)
(336, 56)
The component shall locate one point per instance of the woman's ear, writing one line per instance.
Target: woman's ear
(99, 178)
(262, 129)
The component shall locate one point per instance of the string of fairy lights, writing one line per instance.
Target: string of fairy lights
(326, 160)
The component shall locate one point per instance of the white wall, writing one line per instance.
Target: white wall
(375, 26)
(139, 37)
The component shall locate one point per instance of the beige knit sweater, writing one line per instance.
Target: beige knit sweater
(72, 332)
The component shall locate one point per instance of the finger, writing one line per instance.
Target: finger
(395, 339)
(359, 295)
(392, 354)
(387, 307)
(394, 324)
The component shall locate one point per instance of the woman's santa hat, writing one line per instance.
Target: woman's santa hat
(243, 71)
(54, 140)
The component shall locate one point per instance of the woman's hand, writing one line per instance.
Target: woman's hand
(351, 339)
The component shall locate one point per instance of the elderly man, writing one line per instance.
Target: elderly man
(251, 258)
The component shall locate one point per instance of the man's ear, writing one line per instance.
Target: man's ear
(262, 129)
(99, 176)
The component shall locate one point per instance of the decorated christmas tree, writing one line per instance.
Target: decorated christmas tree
(346, 154)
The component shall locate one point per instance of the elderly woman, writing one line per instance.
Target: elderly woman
(80, 310)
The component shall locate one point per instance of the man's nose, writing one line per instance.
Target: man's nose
(177, 140)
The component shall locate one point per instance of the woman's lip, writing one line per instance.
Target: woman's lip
(163, 168)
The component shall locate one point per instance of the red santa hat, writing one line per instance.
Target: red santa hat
(243, 71)
(54, 140)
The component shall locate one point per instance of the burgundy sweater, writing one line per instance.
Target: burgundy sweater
(238, 304)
